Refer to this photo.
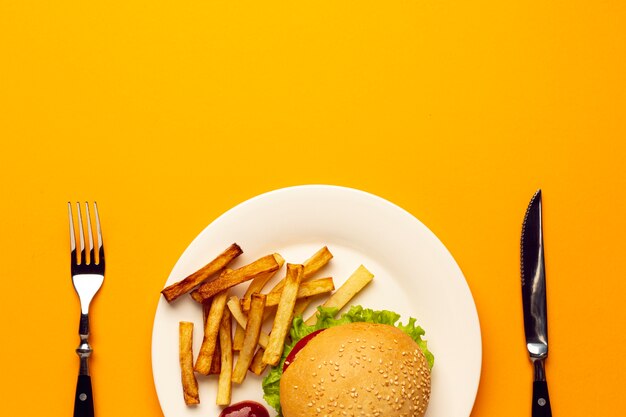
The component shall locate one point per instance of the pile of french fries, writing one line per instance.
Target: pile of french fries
(255, 348)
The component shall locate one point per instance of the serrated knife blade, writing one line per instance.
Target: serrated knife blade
(534, 302)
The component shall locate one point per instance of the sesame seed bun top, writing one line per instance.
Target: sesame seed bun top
(357, 369)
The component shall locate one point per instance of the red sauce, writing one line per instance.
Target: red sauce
(301, 343)
(245, 409)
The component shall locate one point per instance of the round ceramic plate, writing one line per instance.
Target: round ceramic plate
(414, 275)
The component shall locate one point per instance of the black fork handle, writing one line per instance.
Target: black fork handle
(83, 401)
(83, 327)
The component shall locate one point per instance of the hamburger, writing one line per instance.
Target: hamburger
(362, 363)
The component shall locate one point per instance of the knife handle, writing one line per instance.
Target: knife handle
(541, 400)
(83, 401)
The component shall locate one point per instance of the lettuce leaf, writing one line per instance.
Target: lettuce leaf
(325, 319)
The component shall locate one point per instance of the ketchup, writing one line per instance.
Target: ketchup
(301, 343)
(245, 409)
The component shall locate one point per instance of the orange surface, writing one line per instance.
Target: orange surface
(171, 113)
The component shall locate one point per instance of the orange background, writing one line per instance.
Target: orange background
(168, 114)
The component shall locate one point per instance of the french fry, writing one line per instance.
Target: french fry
(217, 361)
(253, 330)
(311, 266)
(211, 331)
(256, 285)
(197, 297)
(235, 308)
(257, 366)
(185, 353)
(189, 283)
(229, 279)
(206, 301)
(206, 307)
(307, 289)
(301, 305)
(269, 312)
(284, 314)
(316, 262)
(353, 285)
(224, 385)
(238, 337)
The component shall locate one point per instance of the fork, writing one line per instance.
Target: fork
(87, 277)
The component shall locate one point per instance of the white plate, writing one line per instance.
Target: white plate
(414, 275)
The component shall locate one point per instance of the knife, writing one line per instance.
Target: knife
(533, 273)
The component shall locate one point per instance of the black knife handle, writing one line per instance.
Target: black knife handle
(541, 400)
(83, 401)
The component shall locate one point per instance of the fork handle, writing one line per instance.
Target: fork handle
(83, 401)
(83, 327)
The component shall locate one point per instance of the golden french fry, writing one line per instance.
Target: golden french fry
(311, 266)
(229, 279)
(224, 385)
(216, 362)
(206, 307)
(240, 332)
(257, 366)
(235, 308)
(353, 285)
(307, 289)
(257, 284)
(211, 331)
(301, 305)
(253, 330)
(284, 314)
(316, 262)
(185, 353)
(189, 283)
(269, 312)
(197, 297)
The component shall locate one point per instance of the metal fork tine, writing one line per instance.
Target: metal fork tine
(81, 235)
(98, 234)
(89, 234)
(72, 233)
